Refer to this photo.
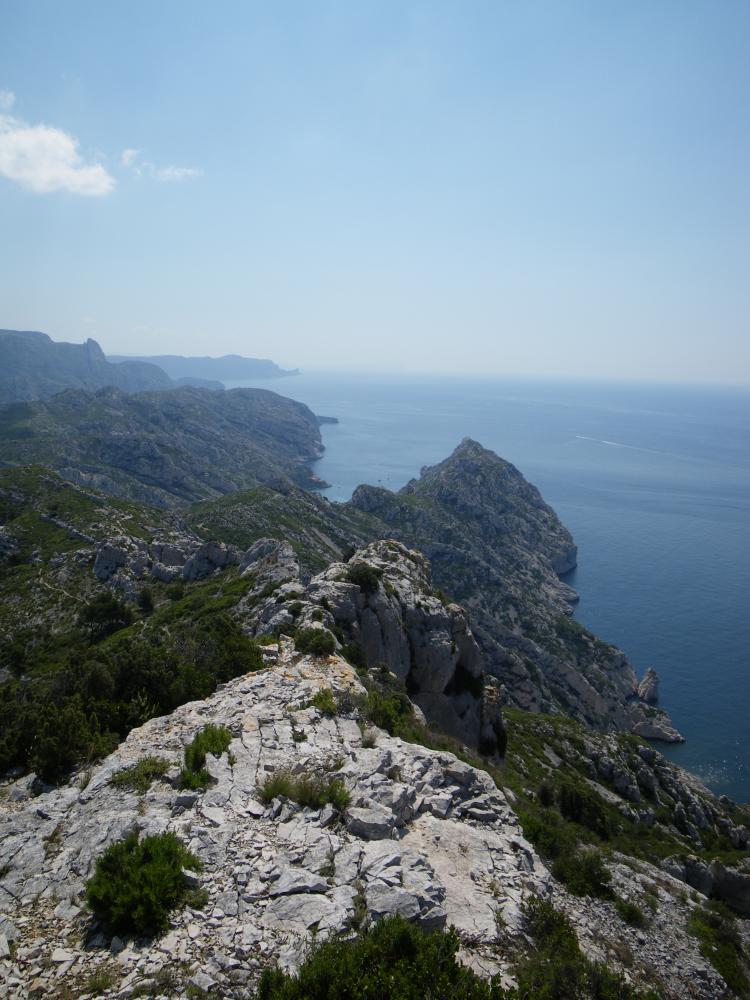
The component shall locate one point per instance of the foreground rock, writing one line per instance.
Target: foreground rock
(424, 835)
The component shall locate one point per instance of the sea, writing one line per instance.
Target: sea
(652, 480)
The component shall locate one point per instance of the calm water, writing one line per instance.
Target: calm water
(654, 483)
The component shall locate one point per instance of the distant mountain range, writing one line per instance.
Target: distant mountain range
(230, 367)
(33, 366)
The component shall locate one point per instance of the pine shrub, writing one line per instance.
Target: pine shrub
(137, 883)
(392, 960)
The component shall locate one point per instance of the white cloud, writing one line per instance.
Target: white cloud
(45, 159)
(7, 100)
(176, 173)
(130, 158)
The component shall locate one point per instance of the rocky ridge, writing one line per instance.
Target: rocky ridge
(424, 835)
(165, 448)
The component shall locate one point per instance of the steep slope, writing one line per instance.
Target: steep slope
(33, 366)
(497, 548)
(165, 447)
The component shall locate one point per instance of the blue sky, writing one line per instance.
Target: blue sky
(540, 188)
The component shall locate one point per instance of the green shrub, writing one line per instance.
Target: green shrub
(581, 804)
(105, 615)
(630, 912)
(214, 740)
(352, 653)
(546, 794)
(547, 832)
(139, 777)
(556, 969)
(716, 929)
(391, 711)
(325, 702)
(175, 591)
(312, 790)
(59, 736)
(393, 960)
(364, 576)
(136, 884)
(316, 641)
(584, 873)
(80, 702)
(146, 600)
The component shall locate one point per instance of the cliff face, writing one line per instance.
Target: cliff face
(165, 447)
(33, 366)
(497, 548)
(382, 605)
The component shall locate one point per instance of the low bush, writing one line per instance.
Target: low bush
(175, 591)
(85, 695)
(139, 777)
(325, 702)
(214, 740)
(316, 641)
(364, 576)
(311, 790)
(581, 804)
(105, 615)
(137, 883)
(630, 913)
(352, 653)
(583, 872)
(556, 969)
(716, 930)
(392, 960)
(391, 711)
(146, 600)
(580, 868)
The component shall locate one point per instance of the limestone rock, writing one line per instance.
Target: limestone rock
(648, 689)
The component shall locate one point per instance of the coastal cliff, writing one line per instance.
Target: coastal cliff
(378, 754)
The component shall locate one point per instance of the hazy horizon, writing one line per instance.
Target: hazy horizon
(542, 190)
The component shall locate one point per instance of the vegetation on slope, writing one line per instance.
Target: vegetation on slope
(78, 695)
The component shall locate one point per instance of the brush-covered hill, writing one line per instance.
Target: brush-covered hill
(165, 448)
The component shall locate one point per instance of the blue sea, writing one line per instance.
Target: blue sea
(652, 480)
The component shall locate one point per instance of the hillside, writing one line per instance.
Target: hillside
(165, 447)
(33, 366)
(332, 801)
(229, 367)
(496, 547)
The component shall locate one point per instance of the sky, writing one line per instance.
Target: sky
(544, 188)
